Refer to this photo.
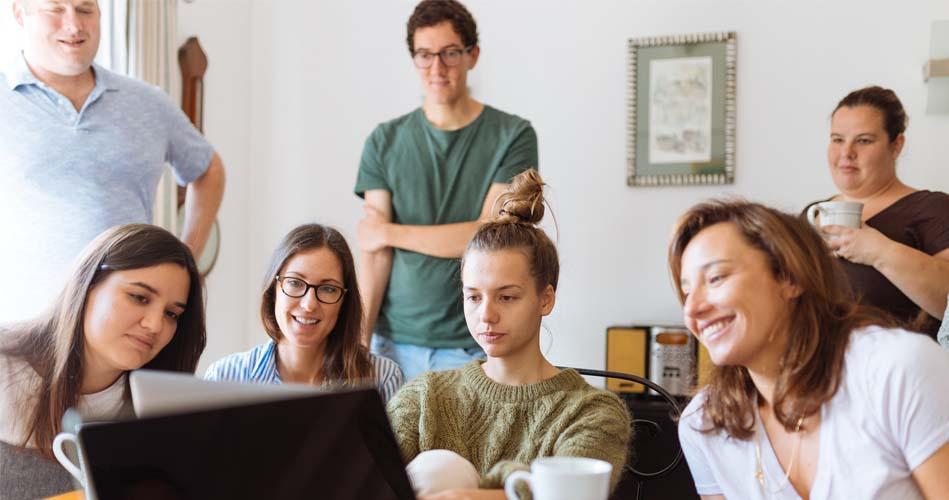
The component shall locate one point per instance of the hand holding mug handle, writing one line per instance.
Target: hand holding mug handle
(511, 482)
(61, 456)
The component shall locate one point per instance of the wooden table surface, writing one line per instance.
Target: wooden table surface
(72, 495)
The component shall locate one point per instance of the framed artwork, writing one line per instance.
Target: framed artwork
(681, 110)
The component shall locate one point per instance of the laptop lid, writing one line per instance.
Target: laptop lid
(336, 445)
(157, 393)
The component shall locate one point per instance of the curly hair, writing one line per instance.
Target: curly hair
(433, 12)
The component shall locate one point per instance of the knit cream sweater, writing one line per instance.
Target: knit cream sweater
(502, 428)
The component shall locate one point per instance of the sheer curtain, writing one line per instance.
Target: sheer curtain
(139, 39)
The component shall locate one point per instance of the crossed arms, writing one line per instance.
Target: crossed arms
(378, 235)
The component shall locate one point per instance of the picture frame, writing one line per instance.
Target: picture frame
(681, 109)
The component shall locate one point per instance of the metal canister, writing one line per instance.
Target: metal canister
(672, 359)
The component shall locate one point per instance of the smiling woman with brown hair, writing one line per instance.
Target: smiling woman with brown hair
(134, 300)
(311, 309)
(809, 390)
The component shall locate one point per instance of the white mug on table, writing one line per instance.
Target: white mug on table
(563, 478)
(63, 457)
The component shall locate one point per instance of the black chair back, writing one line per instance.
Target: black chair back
(655, 428)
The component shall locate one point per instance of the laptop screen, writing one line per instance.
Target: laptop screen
(334, 445)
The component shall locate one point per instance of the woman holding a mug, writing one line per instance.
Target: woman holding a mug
(490, 418)
(898, 259)
(311, 310)
(811, 395)
(134, 300)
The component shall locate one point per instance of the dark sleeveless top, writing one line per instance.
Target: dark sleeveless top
(919, 220)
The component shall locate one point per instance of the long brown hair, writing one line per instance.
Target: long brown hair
(345, 359)
(53, 344)
(823, 316)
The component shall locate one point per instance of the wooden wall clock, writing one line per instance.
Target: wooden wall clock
(194, 63)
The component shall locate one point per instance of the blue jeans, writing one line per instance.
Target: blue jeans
(416, 359)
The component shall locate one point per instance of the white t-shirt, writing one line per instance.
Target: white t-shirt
(18, 380)
(942, 336)
(890, 414)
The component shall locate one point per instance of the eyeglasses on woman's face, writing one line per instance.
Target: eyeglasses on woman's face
(295, 287)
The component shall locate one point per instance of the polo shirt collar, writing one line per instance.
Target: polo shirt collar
(20, 74)
(105, 79)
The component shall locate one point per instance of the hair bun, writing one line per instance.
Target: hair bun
(523, 202)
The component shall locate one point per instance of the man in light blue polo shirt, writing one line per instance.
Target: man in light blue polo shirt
(83, 149)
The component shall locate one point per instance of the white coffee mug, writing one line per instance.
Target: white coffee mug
(563, 478)
(836, 213)
(64, 459)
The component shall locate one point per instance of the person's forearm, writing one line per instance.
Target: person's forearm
(923, 278)
(447, 241)
(373, 276)
(202, 201)
(480, 494)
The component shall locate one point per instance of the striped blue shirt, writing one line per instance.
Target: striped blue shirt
(259, 365)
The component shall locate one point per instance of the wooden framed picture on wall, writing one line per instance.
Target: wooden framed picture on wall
(681, 109)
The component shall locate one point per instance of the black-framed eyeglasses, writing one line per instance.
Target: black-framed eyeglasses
(451, 56)
(296, 288)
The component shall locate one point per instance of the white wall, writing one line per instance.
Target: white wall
(223, 28)
(322, 74)
(9, 31)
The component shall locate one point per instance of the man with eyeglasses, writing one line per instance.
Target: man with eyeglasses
(83, 149)
(429, 179)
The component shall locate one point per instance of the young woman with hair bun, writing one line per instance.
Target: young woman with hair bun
(466, 430)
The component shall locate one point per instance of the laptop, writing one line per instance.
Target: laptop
(334, 445)
(157, 393)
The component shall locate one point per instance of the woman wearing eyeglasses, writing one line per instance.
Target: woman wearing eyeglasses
(312, 312)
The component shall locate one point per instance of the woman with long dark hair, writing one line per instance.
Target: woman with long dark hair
(311, 310)
(134, 300)
(811, 395)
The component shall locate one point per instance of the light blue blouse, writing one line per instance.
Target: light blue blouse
(260, 365)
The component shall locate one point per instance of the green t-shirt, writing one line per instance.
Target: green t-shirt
(437, 177)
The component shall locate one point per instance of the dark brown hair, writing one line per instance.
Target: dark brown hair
(433, 12)
(53, 344)
(823, 315)
(519, 210)
(345, 360)
(884, 101)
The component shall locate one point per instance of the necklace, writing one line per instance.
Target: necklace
(761, 474)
